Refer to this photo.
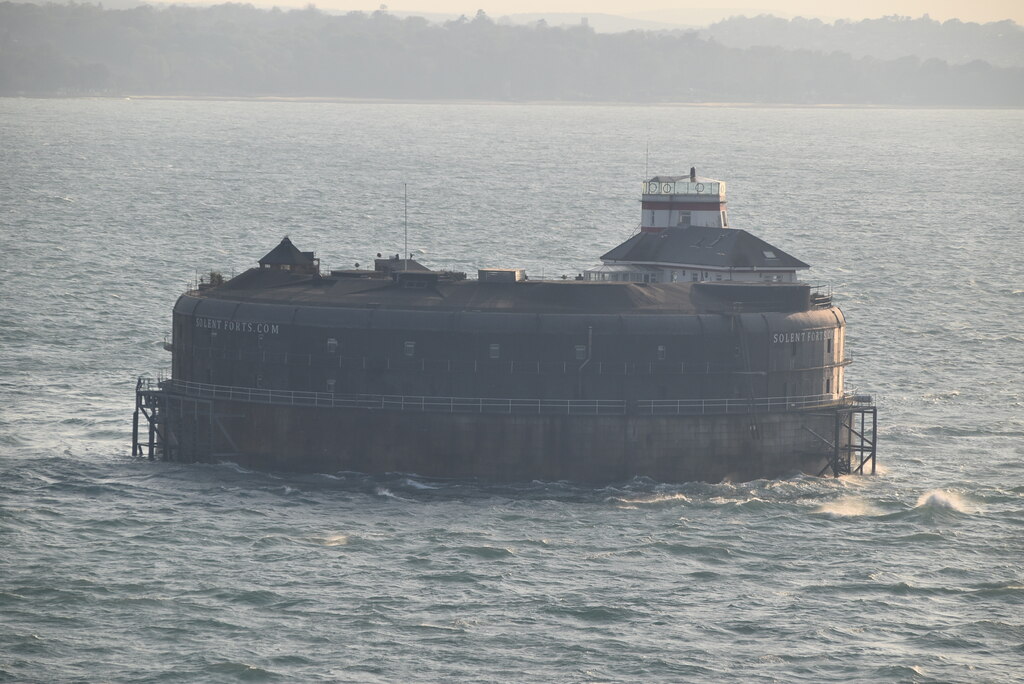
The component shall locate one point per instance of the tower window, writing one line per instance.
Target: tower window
(330, 386)
(581, 352)
(332, 345)
(410, 348)
(828, 346)
(494, 351)
(661, 352)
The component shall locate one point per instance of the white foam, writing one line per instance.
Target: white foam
(941, 499)
(419, 485)
(334, 539)
(653, 499)
(847, 507)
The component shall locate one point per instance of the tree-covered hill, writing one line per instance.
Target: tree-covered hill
(237, 50)
(1000, 43)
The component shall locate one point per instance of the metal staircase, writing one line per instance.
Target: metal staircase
(149, 402)
(855, 445)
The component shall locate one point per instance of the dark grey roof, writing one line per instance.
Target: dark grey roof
(703, 246)
(286, 254)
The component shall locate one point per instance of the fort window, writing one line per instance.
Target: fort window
(410, 348)
(494, 351)
(828, 346)
(828, 386)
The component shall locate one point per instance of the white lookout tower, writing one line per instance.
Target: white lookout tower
(669, 201)
(685, 235)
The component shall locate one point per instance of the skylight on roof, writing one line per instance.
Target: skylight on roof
(769, 254)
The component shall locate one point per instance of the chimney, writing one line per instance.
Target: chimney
(693, 174)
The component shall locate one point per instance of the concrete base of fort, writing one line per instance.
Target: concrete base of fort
(505, 448)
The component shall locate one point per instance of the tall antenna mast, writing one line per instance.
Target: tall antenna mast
(405, 267)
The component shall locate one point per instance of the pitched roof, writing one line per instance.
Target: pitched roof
(286, 254)
(703, 246)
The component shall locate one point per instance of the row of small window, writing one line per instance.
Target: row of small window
(493, 350)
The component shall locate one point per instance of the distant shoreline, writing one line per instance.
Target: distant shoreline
(498, 103)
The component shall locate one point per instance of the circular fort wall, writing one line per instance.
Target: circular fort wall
(377, 350)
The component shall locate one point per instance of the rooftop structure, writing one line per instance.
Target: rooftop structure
(685, 236)
(287, 257)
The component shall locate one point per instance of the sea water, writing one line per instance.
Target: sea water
(114, 569)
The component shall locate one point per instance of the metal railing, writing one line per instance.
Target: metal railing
(581, 407)
(585, 407)
(672, 407)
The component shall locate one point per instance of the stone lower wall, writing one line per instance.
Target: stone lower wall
(590, 449)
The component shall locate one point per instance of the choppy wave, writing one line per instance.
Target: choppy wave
(943, 501)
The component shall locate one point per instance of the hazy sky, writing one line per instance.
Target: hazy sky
(976, 10)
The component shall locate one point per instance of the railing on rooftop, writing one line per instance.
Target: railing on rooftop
(582, 407)
(821, 296)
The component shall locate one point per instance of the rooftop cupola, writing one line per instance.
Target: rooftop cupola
(669, 201)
